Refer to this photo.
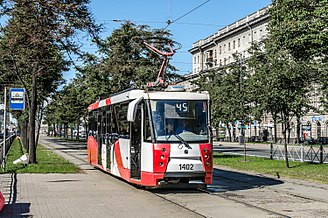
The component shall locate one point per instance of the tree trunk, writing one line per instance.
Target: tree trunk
(24, 133)
(40, 115)
(298, 131)
(71, 132)
(32, 115)
(78, 129)
(275, 129)
(54, 131)
(229, 131)
(285, 145)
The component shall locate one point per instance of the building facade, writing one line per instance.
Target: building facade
(217, 51)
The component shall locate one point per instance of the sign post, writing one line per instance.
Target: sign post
(4, 129)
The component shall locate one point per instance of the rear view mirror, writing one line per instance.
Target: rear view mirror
(132, 109)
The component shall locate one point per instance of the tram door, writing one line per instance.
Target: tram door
(108, 137)
(99, 135)
(135, 148)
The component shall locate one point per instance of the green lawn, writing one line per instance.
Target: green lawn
(47, 161)
(297, 170)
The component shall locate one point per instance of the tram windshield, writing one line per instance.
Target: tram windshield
(174, 120)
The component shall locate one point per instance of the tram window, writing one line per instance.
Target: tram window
(99, 125)
(123, 124)
(92, 123)
(104, 123)
(108, 121)
(113, 121)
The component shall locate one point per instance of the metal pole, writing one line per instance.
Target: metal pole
(302, 152)
(4, 129)
(321, 154)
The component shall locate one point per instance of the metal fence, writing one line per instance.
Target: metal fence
(316, 154)
(9, 141)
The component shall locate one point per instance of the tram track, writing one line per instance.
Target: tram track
(280, 191)
(196, 200)
(276, 214)
(166, 195)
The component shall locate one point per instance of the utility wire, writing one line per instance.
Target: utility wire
(169, 22)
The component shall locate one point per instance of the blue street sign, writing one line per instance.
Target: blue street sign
(17, 100)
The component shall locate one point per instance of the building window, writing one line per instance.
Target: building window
(233, 44)
(224, 48)
(229, 46)
(194, 60)
(244, 40)
(225, 61)
(198, 59)
(215, 53)
(220, 62)
(238, 42)
(220, 51)
(249, 38)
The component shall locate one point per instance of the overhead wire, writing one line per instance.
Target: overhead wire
(169, 22)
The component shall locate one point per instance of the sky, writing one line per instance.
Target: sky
(200, 23)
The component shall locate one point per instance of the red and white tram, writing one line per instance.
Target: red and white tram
(152, 138)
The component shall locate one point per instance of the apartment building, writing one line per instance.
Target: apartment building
(217, 50)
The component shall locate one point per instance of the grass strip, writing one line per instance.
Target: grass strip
(47, 161)
(297, 170)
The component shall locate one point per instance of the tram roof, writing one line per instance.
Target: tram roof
(156, 95)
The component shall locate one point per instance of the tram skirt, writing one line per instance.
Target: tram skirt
(2, 201)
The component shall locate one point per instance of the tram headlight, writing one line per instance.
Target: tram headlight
(160, 164)
(162, 157)
(208, 163)
(163, 149)
(205, 150)
(206, 156)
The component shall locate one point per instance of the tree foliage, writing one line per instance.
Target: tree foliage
(34, 45)
(229, 91)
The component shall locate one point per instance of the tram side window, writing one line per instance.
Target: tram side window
(113, 122)
(123, 124)
(92, 123)
(99, 125)
(104, 123)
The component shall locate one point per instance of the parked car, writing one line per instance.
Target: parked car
(322, 140)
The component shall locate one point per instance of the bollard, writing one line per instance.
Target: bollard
(321, 154)
(271, 151)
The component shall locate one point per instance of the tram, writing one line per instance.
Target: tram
(152, 138)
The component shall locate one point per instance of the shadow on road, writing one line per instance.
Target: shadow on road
(70, 145)
(16, 210)
(226, 180)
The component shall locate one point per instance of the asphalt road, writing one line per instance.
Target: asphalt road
(259, 150)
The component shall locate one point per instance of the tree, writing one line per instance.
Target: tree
(284, 83)
(127, 62)
(295, 47)
(35, 40)
(228, 87)
(300, 26)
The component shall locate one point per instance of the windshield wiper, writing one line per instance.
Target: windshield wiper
(171, 131)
